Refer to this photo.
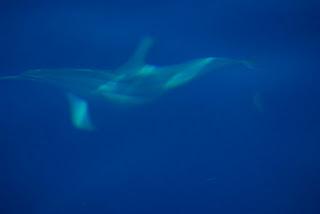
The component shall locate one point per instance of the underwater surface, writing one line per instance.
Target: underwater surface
(232, 140)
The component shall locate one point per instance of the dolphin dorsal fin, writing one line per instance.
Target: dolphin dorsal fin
(137, 60)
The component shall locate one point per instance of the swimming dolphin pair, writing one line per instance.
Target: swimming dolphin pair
(133, 83)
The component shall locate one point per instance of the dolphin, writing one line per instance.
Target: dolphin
(135, 82)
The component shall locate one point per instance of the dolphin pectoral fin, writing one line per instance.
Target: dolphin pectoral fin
(79, 113)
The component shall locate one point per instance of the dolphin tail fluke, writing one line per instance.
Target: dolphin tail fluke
(80, 117)
(248, 64)
(220, 62)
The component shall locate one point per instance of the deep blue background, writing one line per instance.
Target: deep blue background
(207, 147)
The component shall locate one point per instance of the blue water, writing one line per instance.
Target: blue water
(231, 141)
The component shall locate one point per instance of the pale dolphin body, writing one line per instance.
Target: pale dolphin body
(133, 83)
